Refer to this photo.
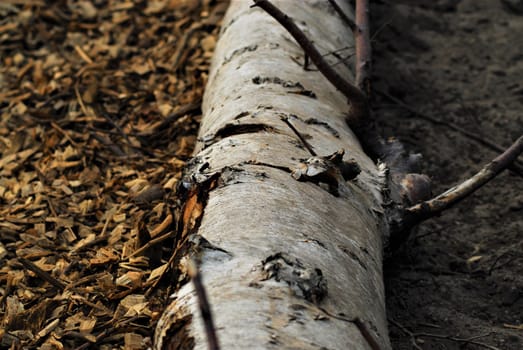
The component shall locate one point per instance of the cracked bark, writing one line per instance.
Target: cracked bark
(286, 264)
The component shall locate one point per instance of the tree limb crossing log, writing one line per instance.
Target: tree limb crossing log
(286, 264)
(430, 208)
(355, 96)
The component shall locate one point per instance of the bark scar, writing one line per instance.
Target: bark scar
(231, 129)
(305, 282)
(286, 84)
(329, 170)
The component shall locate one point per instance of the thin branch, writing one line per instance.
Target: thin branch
(356, 97)
(181, 51)
(100, 109)
(407, 332)
(205, 308)
(168, 266)
(498, 258)
(343, 16)
(152, 243)
(433, 207)
(359, 119)
(515, 167)
(378, 31)
(459, 340)
(300, 136)
(42, 274)
(305, 63)
(180, 112)
(363, 48)
(365, 333)
(470, 340)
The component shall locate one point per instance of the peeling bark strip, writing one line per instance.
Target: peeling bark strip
(285, 263)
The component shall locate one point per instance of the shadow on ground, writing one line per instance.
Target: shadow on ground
(460, 276)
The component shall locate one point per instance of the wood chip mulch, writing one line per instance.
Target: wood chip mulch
(99, 107)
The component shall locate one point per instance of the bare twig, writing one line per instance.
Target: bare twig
(66, 135)
(366, 334)
(498, 258)
(210, 23)
(305, 63)
(355, 96)
(205, 308)
(100, 238)
(42, 274)
(359, 324)
(180, 112)
(100, 109)
(407, 332)
(343, 16)
(154, 283)
(359, 119)
(300, 136)
(515, 167)
(152, 243)
(98, 307)
(111, 146)
(470, 340)
(111, 327)
(181, 51)
(363, 48)
(459, 340)
(434, 206)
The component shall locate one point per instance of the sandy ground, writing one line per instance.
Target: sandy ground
(461, 275)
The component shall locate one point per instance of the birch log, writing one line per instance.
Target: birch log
(286, 263)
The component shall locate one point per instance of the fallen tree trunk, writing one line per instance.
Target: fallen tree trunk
(287, 234)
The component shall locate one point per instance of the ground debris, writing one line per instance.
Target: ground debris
(87, 177)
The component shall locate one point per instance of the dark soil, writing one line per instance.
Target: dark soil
(461, 275)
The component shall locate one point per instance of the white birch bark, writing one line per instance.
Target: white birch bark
(285, 255)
